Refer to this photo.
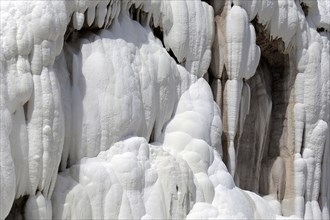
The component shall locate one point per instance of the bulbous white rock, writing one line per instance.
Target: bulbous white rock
(191, 37)
(38, 207)
(136, 181)
(62, 103)
(106, 85)
(251, 7)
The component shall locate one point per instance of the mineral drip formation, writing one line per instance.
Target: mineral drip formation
(190, 109)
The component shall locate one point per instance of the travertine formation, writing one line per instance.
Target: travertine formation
(131, 109)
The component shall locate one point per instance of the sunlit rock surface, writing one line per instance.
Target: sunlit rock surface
(130, 109)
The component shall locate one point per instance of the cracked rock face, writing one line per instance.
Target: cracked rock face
(129, 109)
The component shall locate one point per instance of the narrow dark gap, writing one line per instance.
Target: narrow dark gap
(211, 79)
(304, 8)
(158, 32)
(224, 78)
(224, 143)
(170, 52)
(303, 142)
(17, 210)
(152, 135)
(321, 29)
(25, 108)
(133, 12)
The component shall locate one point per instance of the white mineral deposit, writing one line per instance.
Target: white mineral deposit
(190, 109)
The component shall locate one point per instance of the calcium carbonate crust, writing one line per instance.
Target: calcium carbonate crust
(99, 121)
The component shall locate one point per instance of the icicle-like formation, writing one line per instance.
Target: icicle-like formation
(188, 31)
(37, 92)
(242, 59)
(130, 183)
(304, 30)
(86, 102)
(139, 79)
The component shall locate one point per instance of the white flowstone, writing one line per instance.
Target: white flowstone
(104, 124)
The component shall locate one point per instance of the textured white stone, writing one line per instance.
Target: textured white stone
(104, 124)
